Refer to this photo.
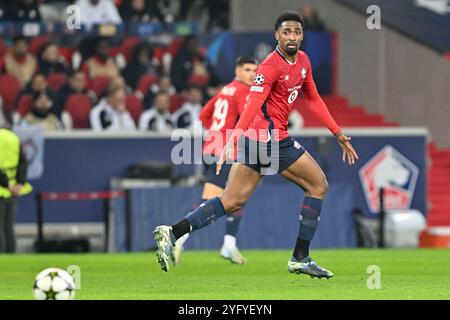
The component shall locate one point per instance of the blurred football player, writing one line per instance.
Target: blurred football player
(220, 114)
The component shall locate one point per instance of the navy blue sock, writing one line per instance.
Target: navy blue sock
(232, 223)
(205, 214)
(309, 220)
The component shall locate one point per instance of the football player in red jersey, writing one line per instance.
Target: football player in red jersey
(280, 78)
(220, 114)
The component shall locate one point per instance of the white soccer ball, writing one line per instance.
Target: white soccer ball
(54, 284)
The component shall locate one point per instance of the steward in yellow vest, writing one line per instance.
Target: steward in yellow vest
(13, 175)
(13, 166)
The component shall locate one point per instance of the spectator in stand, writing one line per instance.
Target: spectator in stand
(117, 81)
(76, 84)
(311, 18)
(101, 64)
(38, 84)
(98, 12)
(24, 11)
(19, 62)
(41, 113)
(50, 61)
(187, 117)
(190, 66)
(145, 11)
(164, 84)
(141, 63)
(158, 117)
(111, 112)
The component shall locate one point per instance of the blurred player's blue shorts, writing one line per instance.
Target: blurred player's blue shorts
(219, 180)
(268, 158)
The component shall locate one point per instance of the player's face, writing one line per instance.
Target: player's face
(289, 36)
(246, 73)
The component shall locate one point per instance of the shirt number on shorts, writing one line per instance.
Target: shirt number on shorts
(220, 114)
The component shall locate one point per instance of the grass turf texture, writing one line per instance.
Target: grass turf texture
(405, 274)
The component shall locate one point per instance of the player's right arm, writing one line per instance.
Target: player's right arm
(259, 91)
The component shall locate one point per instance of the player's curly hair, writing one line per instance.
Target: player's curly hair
(289, 16)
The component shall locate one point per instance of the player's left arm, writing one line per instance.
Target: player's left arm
(316, 105)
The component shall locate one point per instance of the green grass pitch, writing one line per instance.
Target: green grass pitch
(405, 274)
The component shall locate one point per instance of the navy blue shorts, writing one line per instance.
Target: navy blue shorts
(219, 180)
(271, 157)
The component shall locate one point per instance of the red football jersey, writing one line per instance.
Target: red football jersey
(221, 113)
(278, 82)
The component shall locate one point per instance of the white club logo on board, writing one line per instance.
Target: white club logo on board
(392, 171)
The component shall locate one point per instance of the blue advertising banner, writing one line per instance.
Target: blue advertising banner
(270, 220)
(394, 159)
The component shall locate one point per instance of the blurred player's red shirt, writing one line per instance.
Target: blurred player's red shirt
(280, 83)
(221, 113)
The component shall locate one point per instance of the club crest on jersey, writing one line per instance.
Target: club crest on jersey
(303, 73)
(393, 172)
(259, 79)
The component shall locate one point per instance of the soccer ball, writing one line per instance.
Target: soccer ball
(54, 284)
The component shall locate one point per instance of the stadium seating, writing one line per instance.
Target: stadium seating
(24, 105)
(438, 182)
(56, 81)
(175, 46)
(345, 115)
(9, 89)
(37, 43)
(127, 45)
(145, 82)
(134, 106)
(78, 106)
(66, 53)
(98, 85)
(176, 101)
